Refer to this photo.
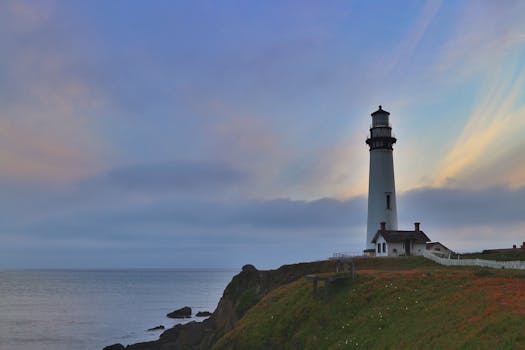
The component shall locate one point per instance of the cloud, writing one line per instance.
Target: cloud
(50, 153)
(215, 214)
(466, 220)
(317, 214)
(460, 208)
(214, 218)
(481, 38)
(193, 224)
(493, 129)
(503, 167)
(169, 178)
(27, 16)
(251, 144)
(142, 233)
(475, 238)
(338, 170)
(479, 65)
(48, 128)
(406, 47)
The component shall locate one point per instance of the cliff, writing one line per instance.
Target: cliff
(395, 303)
(243, 292)
(399, 303)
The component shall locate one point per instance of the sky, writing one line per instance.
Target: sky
(218, 133)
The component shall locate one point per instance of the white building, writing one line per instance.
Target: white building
(399, 243)
(382, 205)
(439, 249)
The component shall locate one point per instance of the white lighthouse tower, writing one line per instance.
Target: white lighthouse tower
(381, 186)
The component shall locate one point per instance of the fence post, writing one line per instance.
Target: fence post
(314, 283)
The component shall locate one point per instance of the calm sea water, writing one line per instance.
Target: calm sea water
(87, 310)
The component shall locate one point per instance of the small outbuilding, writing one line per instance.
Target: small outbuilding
(438, 248)
(400, 243)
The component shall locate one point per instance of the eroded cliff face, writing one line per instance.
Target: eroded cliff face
(244, 291)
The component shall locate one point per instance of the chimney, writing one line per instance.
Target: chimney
(416, 226)
(523, 245)
(383, 226)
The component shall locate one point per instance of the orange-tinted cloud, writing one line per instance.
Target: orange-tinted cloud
(49, 139)
(494, 127)
(485, 53)
(48, 129)
(339, 170)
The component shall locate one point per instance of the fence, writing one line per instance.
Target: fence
(475, 262)
(344, 255)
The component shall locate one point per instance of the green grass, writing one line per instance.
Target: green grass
(398, 303)
(247, 299)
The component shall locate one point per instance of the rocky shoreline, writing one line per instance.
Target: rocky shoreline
(244, 291)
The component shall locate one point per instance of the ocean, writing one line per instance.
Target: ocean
(89, 309)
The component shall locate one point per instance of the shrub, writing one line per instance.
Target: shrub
(247, 299)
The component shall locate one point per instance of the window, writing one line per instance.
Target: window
(388, 201)
(384, 247)
(379, 247)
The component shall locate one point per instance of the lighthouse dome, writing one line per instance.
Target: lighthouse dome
(380, 111)
(380, 118)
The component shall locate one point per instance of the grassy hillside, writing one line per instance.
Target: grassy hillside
(396, 303)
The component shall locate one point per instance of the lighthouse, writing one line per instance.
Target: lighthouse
(382, 206)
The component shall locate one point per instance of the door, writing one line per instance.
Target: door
(407, 247)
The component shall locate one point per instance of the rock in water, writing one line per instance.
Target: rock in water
(184, 312)
(115, 347)
(203, 314)
(156, 328)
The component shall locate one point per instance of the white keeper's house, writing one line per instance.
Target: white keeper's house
(400, 243)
